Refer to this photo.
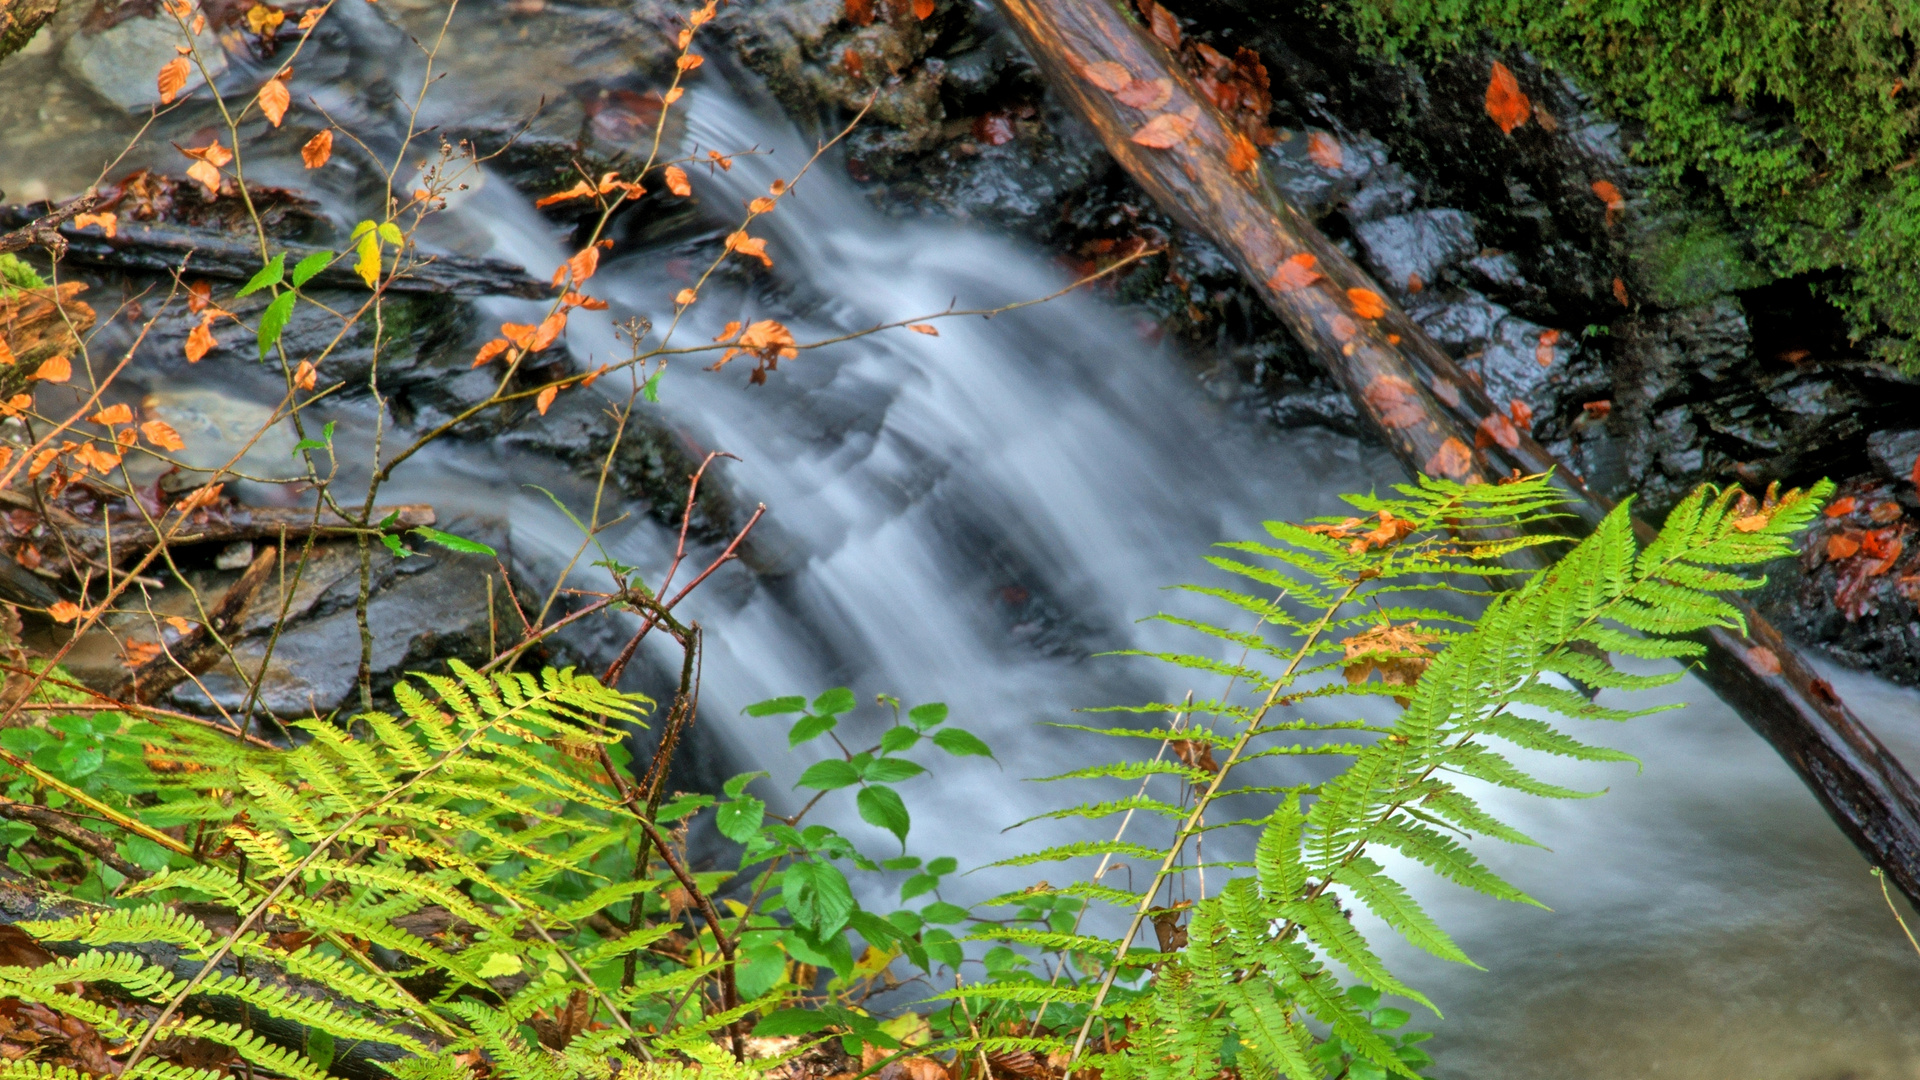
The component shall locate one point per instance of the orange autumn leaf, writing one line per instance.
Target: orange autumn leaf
(1145, 94)
(580, 190)
(581, 300)
(109, 223)
(1543, 351)
(112, 414)
(1841, 546)
(1416, 284)
(1752, 523)
(317, 150)
(490, 350)
(1161, 23)
(685, 297)
(99, 460)
(923, 328)
(1107, 75)
(1841, 507)
(520, 334)
(1296, 273)
(859, 12)
(1608, 194)
(1324, 151)
(173, 79)
(125, 437)
(1242, 154)
(1394, 401)
(306, 376)
(728, 331)
(199, 498)
(1763, 660)
(64, 611)
(1452, 460)
(689, 61)
(1620, 293)
(1166, 130)
(549, 331)
(55, 369)
(579, 268)
(1495, 428)
(677, 181)
(1366, 303)
(923, 10)
(1506, 104)
(594, 375)
(1442, 388)
(672, 95)
(1522, 414)
(311, 17)
(545, 400)
(761, 205)
(274, 100)
(6, 353)
(200, 340)
(213, 153)
(16, 405)
(207, 175)
(45, 458)
(750, 246)
(199, 295)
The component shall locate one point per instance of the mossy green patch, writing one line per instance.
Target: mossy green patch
(17, 274)
(1684, 265)
(1802, 115)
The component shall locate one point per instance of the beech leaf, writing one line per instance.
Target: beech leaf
(1506, 104)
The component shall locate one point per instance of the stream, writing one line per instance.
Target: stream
(970, 518)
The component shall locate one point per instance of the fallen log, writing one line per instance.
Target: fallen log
(130, 538)
(1193, 162)
(162, 248)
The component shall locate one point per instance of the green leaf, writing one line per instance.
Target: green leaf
(737, 784)
(835, 701)
(929, 715)
(818, 896)
(400, 551)
(898, 738)
(961, 743)
(829, 774)
(810, 727)
(890, 770)
(325, 442)
(739, 820)
(455, 543)
(650, 389)
(304, 270)
(390, 233)
(792, 1022)
(943, 912)
(267, 277)
(945, 864)
(902, 862)
(777, 706)
(319, 1048)
(274, 320)
(881, 806)
(918, 885)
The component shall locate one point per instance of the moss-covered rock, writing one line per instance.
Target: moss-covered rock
(1800, 117)
(20, 20)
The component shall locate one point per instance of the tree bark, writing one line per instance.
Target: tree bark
(1434, 417)
(20, 20)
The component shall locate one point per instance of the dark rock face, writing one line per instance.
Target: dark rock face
(1855, 591)
(422, 611)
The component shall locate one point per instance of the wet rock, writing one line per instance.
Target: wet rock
(1854, 592)
(1895, 454)
(119, 63)
(1417, 245)
(422, 611)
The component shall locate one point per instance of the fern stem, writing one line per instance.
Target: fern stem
(1199, 810)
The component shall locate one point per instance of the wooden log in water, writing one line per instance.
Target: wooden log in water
(1436, 419)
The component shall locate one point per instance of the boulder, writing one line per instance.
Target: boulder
(122, 62)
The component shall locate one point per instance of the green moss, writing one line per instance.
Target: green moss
(16, 274)
(1681, 267)
(1804, 115)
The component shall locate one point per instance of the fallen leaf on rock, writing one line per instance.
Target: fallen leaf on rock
(1840, 507)
(1242, 155)
(1495, 428)
(1166, 130)
(1145, 94)
(1296, 273)
(1842, 546)
(1161, 24)
(1394, 401)
(1522, 414)
(1620, 293)
(1506, 104)
(1342, 327)
(1544, 350)
(1106, 75)
(1452, 460)
(1324, 151)
(1366, 303)
(1763, 660)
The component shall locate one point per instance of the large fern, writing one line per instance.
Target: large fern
(1347, 600)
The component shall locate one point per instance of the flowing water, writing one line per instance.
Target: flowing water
(969, 518)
